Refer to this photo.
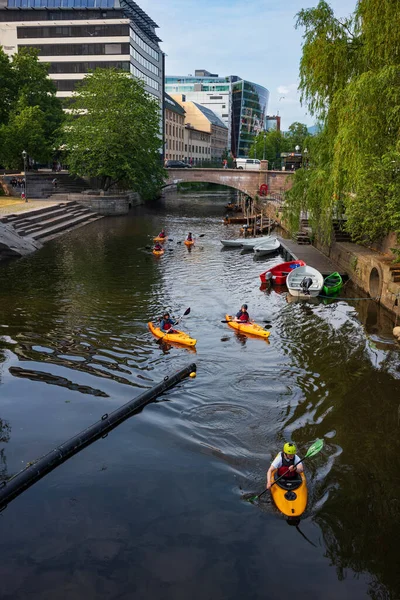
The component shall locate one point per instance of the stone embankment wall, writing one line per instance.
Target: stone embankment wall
(13, 245)
(108, 204)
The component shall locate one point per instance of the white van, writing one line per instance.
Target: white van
(250, 164)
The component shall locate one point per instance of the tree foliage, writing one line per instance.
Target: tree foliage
(270, 144)
(349, 78)
(113, 133)
(30, 112)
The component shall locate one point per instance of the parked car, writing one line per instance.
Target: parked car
(249, 164)
(176, 164)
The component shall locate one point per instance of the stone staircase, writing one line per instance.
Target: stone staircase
(339, 232)
(39, 185)
(46, 223)
(302, 237)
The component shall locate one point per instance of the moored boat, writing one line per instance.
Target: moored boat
(332, 284)
(232, 243)
(305, 282)
(251, 328)
(179, 338)
(277, 274)
(230, 220)
(290, 495)
(251, 243)
(267, 247)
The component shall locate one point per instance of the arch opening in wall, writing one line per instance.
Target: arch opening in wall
(375, 283)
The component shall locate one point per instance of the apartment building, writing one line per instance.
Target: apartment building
(174, 118)
(204, 119)
(197, 145)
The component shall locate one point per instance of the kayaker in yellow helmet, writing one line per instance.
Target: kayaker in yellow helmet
(286, 463)
(167, 324)
(242, 316)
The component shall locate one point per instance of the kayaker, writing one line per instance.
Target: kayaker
(167, 324)
(286, 463)
(242, 316)
(162, 234)
(189, 237)
(158, 247)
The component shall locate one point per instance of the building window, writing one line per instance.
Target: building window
(148, 80)
(72, 31)
(85, 67)
(144, 62)
(77, 49)
(138, 40)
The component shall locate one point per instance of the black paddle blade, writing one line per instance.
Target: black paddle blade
(202, 235)
(187, 311)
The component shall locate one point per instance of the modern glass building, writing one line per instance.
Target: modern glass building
(240, 104)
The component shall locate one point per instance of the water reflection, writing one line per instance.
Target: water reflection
(168, 483)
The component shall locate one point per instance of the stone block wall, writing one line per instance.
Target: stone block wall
(107, 204)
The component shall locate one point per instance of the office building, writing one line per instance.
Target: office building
(197, 145)
(240, 104)
(203, 119)
(273, 123)
(77, 36)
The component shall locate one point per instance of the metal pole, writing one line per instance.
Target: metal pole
(264, 147)
(34, 471)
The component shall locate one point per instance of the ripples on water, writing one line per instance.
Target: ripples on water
(155, 510)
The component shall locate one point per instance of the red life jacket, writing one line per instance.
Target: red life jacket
(244, 317)
(285, 467)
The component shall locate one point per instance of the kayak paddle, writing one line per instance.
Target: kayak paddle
(312, 451)
(187, 311)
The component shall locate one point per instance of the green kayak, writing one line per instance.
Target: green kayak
(332, 284)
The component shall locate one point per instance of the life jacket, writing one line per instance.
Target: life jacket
(244, 316)
(189, 238)
(161, 234)
(286, 463)
(167, 325)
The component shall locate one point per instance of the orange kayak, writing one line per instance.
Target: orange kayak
(160, 239)
(180, 338)
(158, 252)
(290, 495)
(188, 242)
(251, 328)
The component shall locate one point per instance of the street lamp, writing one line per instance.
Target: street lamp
(305, 152)
(297, 148)
(24, 156)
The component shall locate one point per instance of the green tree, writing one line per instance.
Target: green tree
(297, 136)
(113, 133)
(269, 145)
(349, 78)
(30, 112)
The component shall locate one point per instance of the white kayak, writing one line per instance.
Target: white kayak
(267, 247)
(305, 282)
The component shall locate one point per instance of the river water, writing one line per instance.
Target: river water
(155, 510)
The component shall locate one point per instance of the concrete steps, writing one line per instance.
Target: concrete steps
(49, 222)
(339, 233)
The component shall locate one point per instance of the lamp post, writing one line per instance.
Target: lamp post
(264, 145)
(24, 156)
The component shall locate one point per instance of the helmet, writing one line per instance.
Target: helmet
(289, 448)
(244, 306)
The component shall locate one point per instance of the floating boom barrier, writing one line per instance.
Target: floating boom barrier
(34, 471)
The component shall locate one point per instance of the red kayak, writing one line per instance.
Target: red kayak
(278, 274)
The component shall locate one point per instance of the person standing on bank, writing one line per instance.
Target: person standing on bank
(286, 463)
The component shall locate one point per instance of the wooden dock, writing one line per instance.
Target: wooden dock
(310, 255)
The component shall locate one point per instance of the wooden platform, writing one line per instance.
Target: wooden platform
(310, 255)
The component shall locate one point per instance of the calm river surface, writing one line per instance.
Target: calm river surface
(155, 510)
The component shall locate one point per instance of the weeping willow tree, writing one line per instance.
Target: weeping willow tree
(350, 81)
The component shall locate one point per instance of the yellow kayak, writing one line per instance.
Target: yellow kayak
(180, 338)
(158, 252)
(251, 328)
(290, 495)
(160, 239)
(188, 242)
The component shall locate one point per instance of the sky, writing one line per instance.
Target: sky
(256, 41)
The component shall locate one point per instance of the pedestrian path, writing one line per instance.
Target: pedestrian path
(10, 206)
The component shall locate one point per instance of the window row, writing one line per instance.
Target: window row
(172, 116)
(60, 3)
(172, 145)
(138, 40)
(199, 149)
(148, 80)
(178, 132)
(85, 67)
(77, 49)
(144, 62)
(59, 31)
(57, 15)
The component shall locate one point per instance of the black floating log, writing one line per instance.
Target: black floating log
(34, 471)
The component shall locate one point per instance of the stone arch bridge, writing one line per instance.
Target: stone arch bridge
(248, 182)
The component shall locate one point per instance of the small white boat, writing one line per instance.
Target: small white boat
(304, 282)
(232, 243)
(251, 243)
(267, 247)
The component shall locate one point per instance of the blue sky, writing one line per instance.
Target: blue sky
(256, 41)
